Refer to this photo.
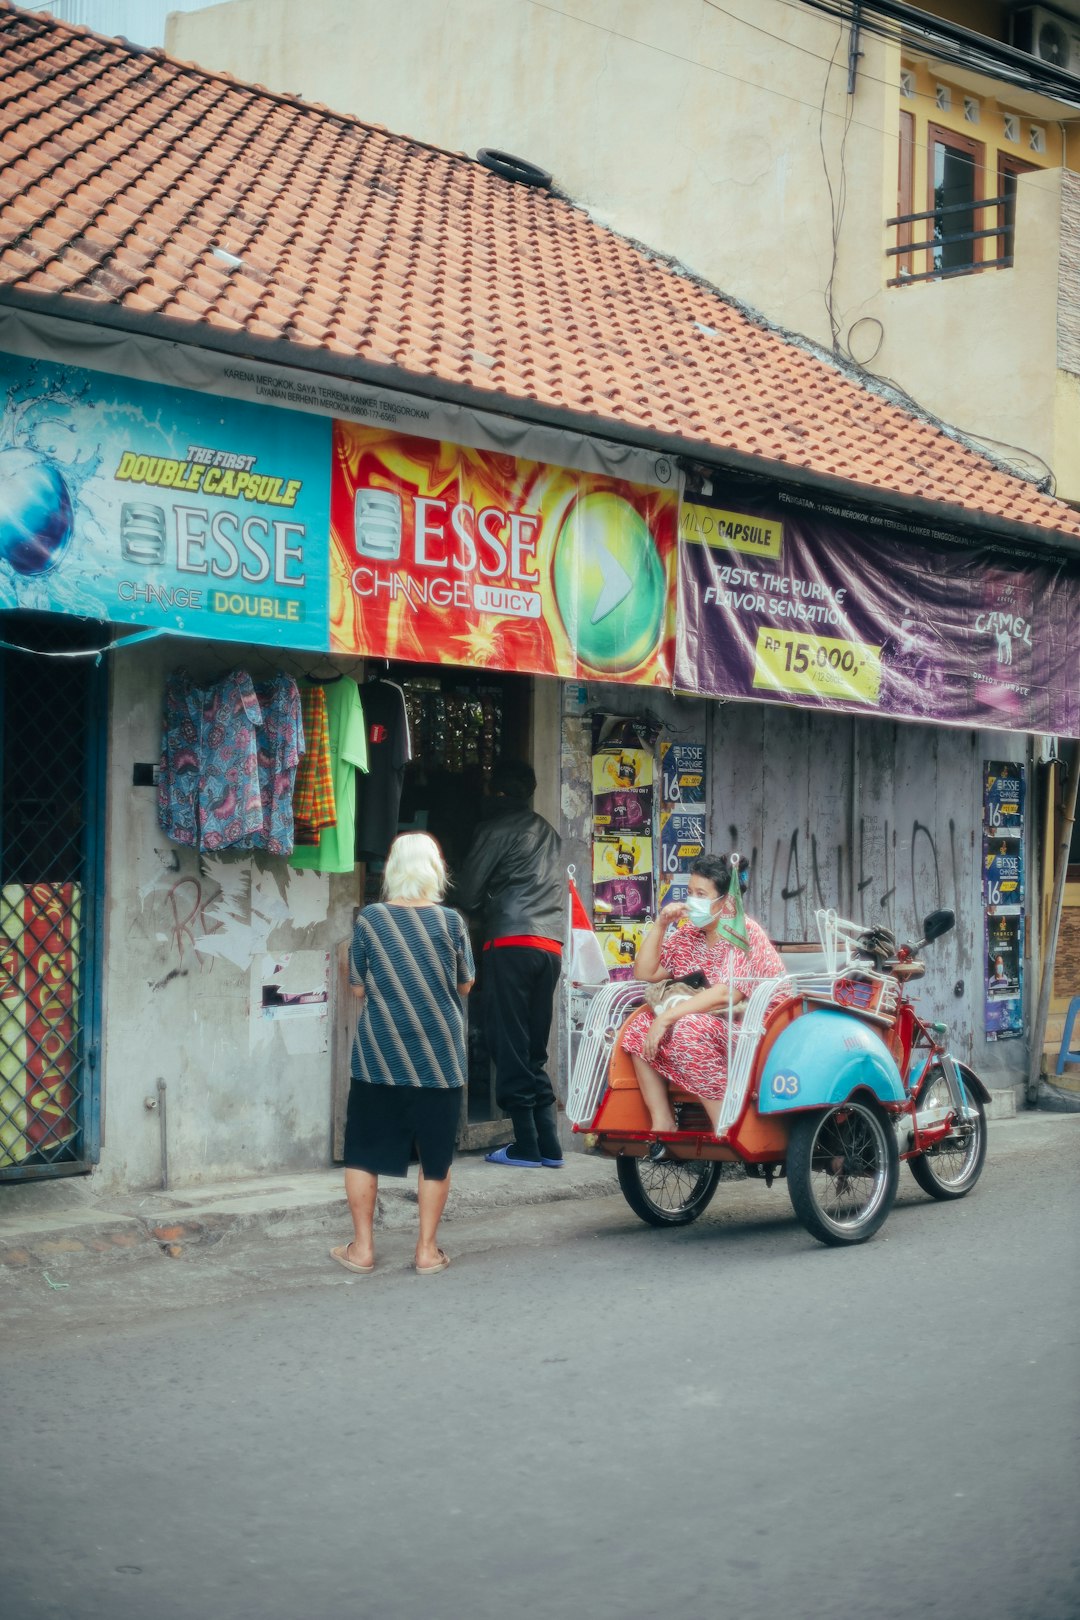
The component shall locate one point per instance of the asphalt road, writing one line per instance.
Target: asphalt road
(582, 1417)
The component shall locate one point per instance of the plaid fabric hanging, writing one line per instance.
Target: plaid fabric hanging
(313, 796)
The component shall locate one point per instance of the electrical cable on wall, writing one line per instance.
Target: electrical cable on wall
(1058, 87)
(837, 199)
(1047, 483)
(734, 78)
(899, 23)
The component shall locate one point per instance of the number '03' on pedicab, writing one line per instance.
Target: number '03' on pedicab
(715, 1053)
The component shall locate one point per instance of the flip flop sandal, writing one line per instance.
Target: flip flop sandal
(341, 1255)
(502, 1156)
(429, 1271)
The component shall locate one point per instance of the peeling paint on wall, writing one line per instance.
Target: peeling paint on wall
(241, 932)
(308, 898)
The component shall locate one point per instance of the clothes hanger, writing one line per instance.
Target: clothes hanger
(323, 680)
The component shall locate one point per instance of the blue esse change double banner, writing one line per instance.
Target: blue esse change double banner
(144, 504)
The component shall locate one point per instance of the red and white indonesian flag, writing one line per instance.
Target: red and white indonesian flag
(587, 965)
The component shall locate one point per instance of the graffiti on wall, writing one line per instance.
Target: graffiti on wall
(886, 879)
(187, 904)
(228, 909)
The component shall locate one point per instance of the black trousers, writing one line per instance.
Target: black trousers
(519, 991)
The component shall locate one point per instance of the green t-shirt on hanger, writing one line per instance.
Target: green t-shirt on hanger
(335, 851)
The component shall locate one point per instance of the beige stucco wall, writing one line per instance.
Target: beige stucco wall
(699, 131)
(982, 350)
(187, 937)
(1065, 456)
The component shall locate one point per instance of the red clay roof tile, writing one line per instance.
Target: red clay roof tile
(122, 171)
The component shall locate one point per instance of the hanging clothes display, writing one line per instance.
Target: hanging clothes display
(279, 747)
(229, 753)
(389, 751)
(348, 754)
(313, 797)
(208, 781)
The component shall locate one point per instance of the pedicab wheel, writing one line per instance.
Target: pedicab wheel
(952, 1167)
(672, 1193)
(842, 1172)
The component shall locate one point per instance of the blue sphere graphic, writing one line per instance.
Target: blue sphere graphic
(36, 517)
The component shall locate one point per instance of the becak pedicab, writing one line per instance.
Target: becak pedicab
(826, 1077)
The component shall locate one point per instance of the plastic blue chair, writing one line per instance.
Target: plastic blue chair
(1069, 1053)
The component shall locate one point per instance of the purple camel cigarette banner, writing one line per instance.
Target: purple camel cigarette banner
(826, 608)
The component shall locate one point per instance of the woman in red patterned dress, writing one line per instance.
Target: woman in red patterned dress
(686, 1044)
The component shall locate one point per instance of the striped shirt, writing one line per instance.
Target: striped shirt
(410, 961)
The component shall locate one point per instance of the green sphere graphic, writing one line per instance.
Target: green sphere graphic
(609, 583)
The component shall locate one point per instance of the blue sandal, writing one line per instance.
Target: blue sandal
(502, 1156)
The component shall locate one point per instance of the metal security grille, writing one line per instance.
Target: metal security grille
(51, 735)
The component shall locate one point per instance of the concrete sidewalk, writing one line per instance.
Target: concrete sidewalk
(45, 1222)
(62, 1223)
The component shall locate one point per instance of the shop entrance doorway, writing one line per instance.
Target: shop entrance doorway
(459, 722)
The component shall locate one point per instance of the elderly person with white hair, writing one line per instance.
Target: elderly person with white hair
(412, 964)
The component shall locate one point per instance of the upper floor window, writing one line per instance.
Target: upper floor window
(956, 196)
(1008, 169)
(957, 164)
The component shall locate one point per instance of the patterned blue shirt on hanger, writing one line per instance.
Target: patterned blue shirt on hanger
(208, 783)
(279, 745)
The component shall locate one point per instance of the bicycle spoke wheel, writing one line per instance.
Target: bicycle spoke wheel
(672, 1193)
(953, 1166)
(842, 1172)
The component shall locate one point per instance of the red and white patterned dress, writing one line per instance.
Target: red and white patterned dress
(693, 1054)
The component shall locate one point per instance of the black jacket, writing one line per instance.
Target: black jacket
(513, 873)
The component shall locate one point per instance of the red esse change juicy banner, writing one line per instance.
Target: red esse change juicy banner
(442, 554)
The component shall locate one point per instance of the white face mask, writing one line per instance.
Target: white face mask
(699, 910)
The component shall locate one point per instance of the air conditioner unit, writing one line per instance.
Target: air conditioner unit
(1048, 36)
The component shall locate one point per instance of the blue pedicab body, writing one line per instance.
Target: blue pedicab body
(824, 1058)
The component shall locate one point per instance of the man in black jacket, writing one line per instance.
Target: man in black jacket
(513, 876)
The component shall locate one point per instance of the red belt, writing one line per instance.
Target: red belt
(532, 940)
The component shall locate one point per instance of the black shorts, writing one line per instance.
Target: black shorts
(384, 1122)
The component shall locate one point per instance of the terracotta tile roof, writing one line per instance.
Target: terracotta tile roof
(133, 180)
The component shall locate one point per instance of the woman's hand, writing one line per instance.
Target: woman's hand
(647, 965)
(655, 1034)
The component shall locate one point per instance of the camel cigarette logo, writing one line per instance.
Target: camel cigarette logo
(1006, 629)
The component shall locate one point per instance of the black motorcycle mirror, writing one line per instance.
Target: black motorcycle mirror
(936, 924)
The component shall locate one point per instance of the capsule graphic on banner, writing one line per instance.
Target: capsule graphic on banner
(377, 524)
(142, 532)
